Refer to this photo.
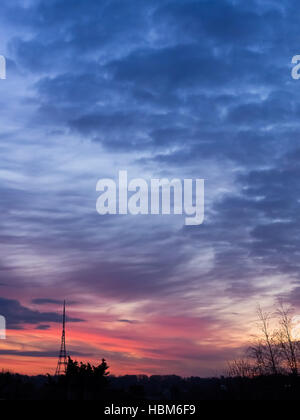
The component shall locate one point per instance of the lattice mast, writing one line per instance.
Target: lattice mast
(62, 358)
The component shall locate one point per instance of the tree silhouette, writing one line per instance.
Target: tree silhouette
(264, 352)
(85, 381)
(276, 350)
(289, 347)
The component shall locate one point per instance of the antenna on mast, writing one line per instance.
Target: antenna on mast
(62, 358)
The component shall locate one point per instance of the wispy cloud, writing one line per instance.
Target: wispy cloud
(197, 89)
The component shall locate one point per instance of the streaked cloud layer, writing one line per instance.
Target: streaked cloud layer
(198, 89)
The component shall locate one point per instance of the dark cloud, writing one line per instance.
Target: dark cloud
(182, 78)
(42, 327)
(293, 297)
(18, 316)
(47, 301)
(127, 321)
(36, 354)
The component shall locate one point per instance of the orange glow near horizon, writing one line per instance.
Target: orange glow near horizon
(173, 345)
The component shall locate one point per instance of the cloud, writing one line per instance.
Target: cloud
(43, 327)
(177, 89)
(47, 301)
(198, 89)
(179, 77)
(18, 316)
(36, 354)
(127, 321)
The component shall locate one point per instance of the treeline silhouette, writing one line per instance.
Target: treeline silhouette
(140, 388)
(268, 371)
(82, 381)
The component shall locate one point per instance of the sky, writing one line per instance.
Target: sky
(161, 88)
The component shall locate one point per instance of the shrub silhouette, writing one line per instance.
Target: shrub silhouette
(85, 381)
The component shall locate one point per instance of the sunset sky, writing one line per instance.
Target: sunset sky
(160, 88)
